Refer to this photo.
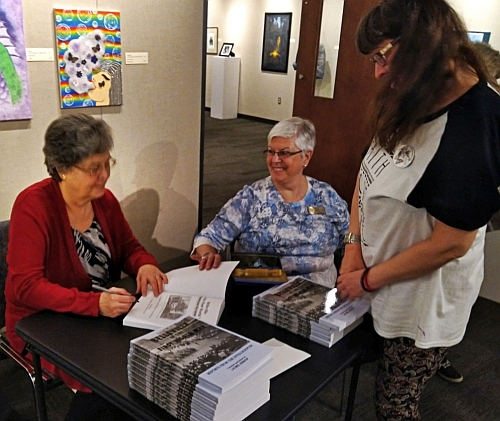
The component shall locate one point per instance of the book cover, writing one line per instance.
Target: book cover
(315, 302)
(214, 357)
(310, 310)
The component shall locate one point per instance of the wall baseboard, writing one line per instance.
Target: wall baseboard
(251, 117)
(259, 119)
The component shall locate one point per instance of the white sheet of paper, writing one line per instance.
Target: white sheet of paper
(284, 356)
(193, 281)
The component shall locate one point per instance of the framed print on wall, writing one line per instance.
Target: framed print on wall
(478, 36)
(15, 98)
(90, 57)
(212, 41)
(276, 42)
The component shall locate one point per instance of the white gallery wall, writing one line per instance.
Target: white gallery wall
(483, 15)
(242, 22)
(156, 130)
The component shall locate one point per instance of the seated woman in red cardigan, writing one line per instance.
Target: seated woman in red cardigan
(68, 234)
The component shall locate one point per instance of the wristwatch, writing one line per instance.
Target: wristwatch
(351, 238)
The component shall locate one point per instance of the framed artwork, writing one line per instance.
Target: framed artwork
(212, 40)
(276, 42)
(226, 49)
(89, 55)
(477, 36)
(15, 98)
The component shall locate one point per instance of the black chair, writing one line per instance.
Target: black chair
(49, 380)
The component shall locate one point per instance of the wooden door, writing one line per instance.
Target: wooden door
(340, 122)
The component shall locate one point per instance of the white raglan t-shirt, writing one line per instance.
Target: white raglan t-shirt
(448, 170)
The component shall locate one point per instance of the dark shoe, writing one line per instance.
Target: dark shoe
(447, 372)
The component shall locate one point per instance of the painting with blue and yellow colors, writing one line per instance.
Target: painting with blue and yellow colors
(89, 55)
(15, 99)
(276, 42)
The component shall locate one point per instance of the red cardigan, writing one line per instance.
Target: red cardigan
(44, 270)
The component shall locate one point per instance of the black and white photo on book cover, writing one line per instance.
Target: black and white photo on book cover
(302, 298)
(219, 358)
(189, 292)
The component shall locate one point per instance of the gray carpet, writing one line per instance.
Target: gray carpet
(233, 158)
(475, 399)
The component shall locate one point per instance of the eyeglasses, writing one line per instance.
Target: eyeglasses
(380, 57)
(97, 170)
(281, 154)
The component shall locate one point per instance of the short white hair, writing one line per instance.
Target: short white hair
(302, 132)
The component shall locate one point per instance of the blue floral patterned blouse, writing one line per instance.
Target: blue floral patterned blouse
(302, 237)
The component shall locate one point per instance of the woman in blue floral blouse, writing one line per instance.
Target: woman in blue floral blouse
(298, 218)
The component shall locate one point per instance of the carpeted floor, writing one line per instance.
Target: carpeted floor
(233, 157)
(475, 399)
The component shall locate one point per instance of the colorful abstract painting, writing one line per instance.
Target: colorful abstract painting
(15, 99)
(90, 57)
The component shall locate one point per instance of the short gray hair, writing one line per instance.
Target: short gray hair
(302, 132)
(72, 138)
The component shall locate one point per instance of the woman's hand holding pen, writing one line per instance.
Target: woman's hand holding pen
(115, 301)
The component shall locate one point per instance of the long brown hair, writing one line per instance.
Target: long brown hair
(432, 36)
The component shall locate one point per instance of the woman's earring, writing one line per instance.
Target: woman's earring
(63, 176)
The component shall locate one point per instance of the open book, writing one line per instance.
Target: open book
(189, 292)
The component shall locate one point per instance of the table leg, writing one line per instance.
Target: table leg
(41, 409)
(356, 367)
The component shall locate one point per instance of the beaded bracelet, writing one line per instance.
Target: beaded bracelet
(363, 281)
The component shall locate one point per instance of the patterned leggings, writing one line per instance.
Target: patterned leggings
(403, 372)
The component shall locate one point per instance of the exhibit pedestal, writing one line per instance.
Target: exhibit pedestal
(225, 87)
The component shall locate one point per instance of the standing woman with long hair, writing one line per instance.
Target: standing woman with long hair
(427, 187)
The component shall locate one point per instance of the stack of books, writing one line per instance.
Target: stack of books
(200, 372)
(310, 310)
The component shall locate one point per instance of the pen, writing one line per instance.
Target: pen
(102, 289)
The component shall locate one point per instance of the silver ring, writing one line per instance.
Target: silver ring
(205, 256)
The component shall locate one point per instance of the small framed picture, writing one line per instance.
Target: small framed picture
(226, 49)
(212, 41)
(478, 36)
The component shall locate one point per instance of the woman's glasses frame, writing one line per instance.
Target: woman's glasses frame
(281, 154)
(97, 170)
(380, 57)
